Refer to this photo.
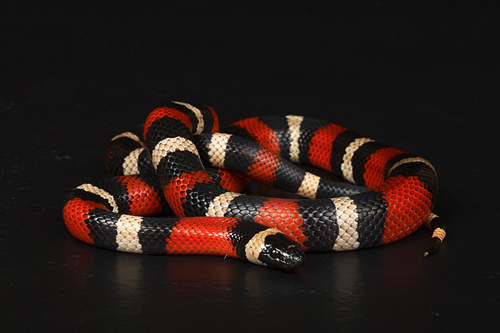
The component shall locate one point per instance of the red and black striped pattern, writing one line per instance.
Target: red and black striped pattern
(403, 187)
(266, 167)
(394, 195)
(100, 213)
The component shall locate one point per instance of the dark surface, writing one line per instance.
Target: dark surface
(420, 76)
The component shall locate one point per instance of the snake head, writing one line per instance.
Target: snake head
(266, 246)
(281, 252)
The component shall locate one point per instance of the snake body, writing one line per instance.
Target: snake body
(392, 192)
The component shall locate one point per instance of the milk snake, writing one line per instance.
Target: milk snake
(393, 194)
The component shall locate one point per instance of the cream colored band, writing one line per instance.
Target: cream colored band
(100, 192)
(309, 186)
(439, 233)
(255, 245)
(347, 220)
(170, 145)
(427, 222)
(130, 163)
(294, 127)
(129, 135)
(217, 149)
(347, 169)
(220, 203)
(412, 160)
(127, 233)
(198, 114)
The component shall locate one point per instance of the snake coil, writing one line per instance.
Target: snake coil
(392, 193)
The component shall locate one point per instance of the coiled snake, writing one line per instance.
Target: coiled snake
(392, 192)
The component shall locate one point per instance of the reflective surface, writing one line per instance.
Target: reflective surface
(72, 78)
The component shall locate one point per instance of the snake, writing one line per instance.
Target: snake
(167, 168)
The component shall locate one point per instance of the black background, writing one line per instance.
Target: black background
(418, 75)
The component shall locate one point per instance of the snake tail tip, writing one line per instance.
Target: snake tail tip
(433, 247)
